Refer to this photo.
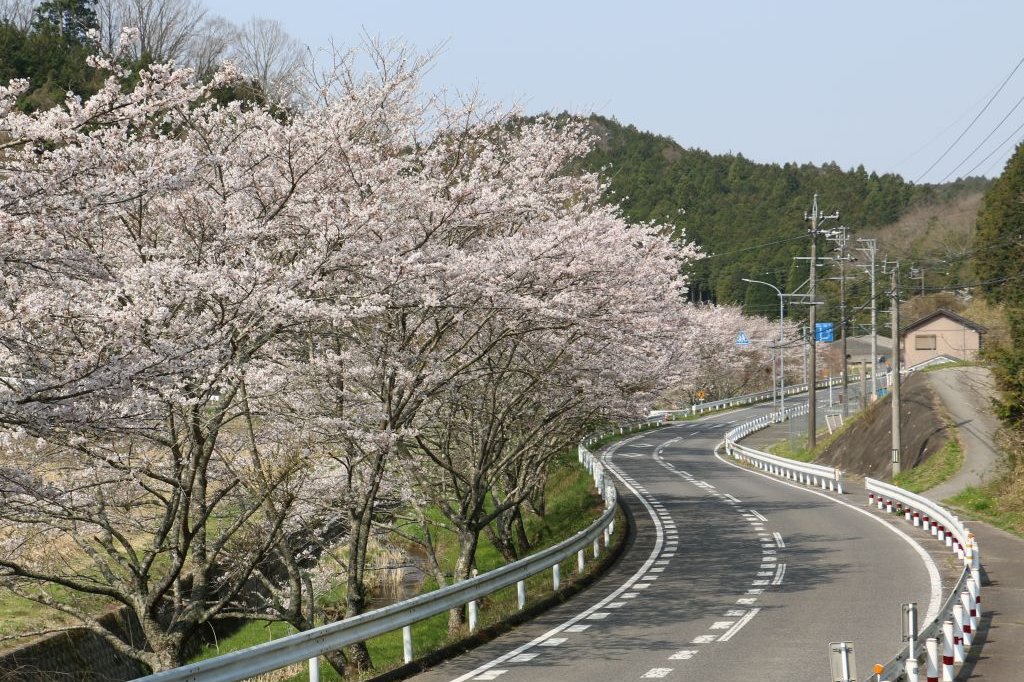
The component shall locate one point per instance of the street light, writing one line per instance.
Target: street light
(782, 355)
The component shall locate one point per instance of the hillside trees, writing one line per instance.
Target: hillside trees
(225, 331)
(999, 263)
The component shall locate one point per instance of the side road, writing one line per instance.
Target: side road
(965, 393)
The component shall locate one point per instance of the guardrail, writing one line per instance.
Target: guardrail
(750, 398)
(309, 645)
(957, 621)
(827, 478)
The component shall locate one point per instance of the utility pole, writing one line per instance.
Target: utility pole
(895, 323)
(841, 237)
(918, 273)
(816, 218)
(869, 249)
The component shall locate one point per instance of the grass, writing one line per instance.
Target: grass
(949, 365)
(572, 504)
(1001, 502)
(800, 453)
(937, 469)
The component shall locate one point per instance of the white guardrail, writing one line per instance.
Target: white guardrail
(750, 398)
(827, 478)
(947, 636)
(309, 645)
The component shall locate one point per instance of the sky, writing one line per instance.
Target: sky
(887, 84)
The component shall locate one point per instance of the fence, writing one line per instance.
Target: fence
(958, 618)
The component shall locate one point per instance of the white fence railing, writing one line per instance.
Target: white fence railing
(948, 636)
(827, 478)
(749, 399)
(308, 645)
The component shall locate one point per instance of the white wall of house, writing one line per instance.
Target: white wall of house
(940, 336)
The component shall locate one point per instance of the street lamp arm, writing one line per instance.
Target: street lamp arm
(782, 339)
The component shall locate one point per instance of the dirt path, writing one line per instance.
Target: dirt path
(966, 394)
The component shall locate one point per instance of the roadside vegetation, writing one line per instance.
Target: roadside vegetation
(937, 469)
(571, 505)
(1001, 502)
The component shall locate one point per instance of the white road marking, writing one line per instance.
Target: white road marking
(722, 625)
(739, 624)
(734, 613)
(703, 639)
(523, 658)
(756, 590)
(630, 595)
(734, 499)
(616, 605)
(759, 582)
(490, 675)
(573, 624)
(758, 516)
(554, 641)
(599, 615)
(778, 540)
(656, 673)
(781, 571)
(746, 601)
(684, 655)
(930, 567)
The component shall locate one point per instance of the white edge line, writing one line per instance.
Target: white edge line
(758, 516)
(933, 571)
(778, 539)
(659, 539)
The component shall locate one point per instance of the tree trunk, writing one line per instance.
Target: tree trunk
(468, 540)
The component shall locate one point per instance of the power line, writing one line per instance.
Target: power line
(980, 144)
(971, 124)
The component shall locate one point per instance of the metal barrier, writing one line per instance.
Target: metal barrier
(958, 618)
(300, 647)
(827, 478)
(725, 403)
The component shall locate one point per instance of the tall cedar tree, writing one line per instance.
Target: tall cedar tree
(1000, 264)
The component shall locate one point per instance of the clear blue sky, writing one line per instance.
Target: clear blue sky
(887, 84)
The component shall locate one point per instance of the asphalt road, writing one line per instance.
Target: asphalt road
(966, 393)
(730, 576)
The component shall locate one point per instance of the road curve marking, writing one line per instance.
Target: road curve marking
(933, 571)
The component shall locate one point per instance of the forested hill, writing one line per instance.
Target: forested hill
(748, 215)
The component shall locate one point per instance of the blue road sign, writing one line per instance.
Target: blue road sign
(742, 340)
(823, 332)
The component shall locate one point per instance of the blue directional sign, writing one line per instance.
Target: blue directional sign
(823, 332)
(742, 340)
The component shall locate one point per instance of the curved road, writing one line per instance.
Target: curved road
(730, 576)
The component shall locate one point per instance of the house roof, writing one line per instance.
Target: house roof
(942, 312)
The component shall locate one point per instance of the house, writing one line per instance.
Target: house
(942, 336)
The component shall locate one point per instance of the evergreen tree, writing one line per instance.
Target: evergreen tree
(70, 19)
(999, 263)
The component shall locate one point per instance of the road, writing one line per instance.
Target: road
(730, 576)
(966, 393)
